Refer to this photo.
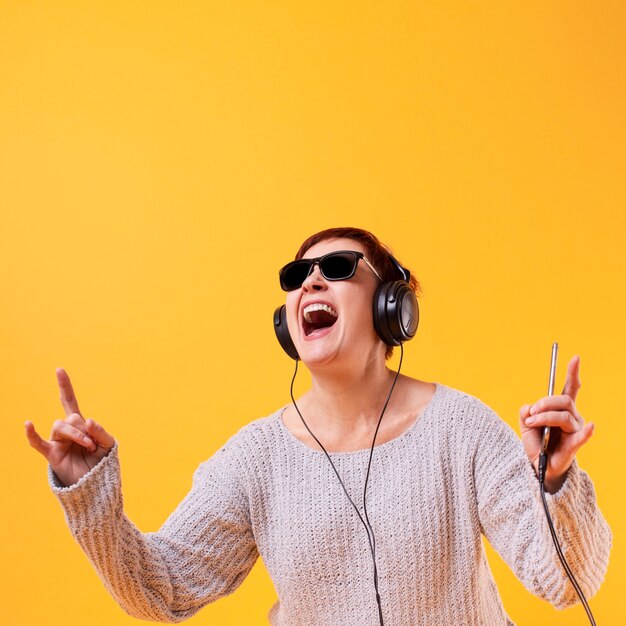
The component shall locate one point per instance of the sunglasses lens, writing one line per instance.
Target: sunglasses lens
(294, 274)
(338, 266)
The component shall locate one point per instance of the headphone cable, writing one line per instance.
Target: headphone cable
(543, 464)
(366, 523)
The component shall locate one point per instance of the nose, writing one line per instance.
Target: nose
(314, 281)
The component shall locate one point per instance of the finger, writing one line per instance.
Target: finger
(583, 436)
(524, 413)
(561, 419)
(572, 381)
(41, 445)
(554, 403)
(100, 435)
(77, 420)
(66, 392)
(62, 431)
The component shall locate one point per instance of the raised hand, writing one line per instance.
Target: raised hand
(76, 445)
(569, 431)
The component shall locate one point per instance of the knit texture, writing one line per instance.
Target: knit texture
(457, 472)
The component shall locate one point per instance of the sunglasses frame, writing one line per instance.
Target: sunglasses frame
(318, 261)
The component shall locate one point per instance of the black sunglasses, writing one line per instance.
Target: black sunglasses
(340, 265)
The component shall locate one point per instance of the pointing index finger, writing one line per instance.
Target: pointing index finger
(67, 396)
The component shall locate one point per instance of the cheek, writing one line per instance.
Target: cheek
(360, 312)
(291, 304)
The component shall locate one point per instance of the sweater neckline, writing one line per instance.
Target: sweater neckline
(381, 446)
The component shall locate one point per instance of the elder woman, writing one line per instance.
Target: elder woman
(366, 498)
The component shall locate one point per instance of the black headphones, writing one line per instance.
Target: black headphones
(396, 314)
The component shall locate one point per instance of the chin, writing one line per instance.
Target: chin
(331, 354)
(353, 358)
(321, 353)
(318, 356)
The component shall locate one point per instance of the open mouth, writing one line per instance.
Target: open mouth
(318, 316)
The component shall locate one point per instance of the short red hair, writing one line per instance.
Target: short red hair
(377, 254)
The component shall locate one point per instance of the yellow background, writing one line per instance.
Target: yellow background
(160, 161)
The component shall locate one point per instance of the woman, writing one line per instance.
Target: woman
(443, 469)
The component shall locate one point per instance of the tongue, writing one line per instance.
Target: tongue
(319, 320)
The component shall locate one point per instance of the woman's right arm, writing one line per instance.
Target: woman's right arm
(202, 552)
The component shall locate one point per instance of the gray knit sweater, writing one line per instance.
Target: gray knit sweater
(458, 472)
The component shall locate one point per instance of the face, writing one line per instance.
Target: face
(332, 321)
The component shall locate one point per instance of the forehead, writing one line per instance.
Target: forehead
(332, 245)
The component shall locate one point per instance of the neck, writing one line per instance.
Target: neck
(350, 400)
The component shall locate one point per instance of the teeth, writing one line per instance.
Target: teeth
(318, 306)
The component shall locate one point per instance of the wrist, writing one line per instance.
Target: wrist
(554, 484)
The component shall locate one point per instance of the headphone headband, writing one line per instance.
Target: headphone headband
(406, 275)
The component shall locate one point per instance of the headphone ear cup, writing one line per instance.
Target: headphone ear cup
(282, 332)
(396, 312)
(381, 324)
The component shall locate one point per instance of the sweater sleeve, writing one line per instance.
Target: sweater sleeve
(513, 519)
(202, 552)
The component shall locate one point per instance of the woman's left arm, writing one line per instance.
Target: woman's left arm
(511, 512)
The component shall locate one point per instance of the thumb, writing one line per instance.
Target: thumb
(101, 437)
(41, 445)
